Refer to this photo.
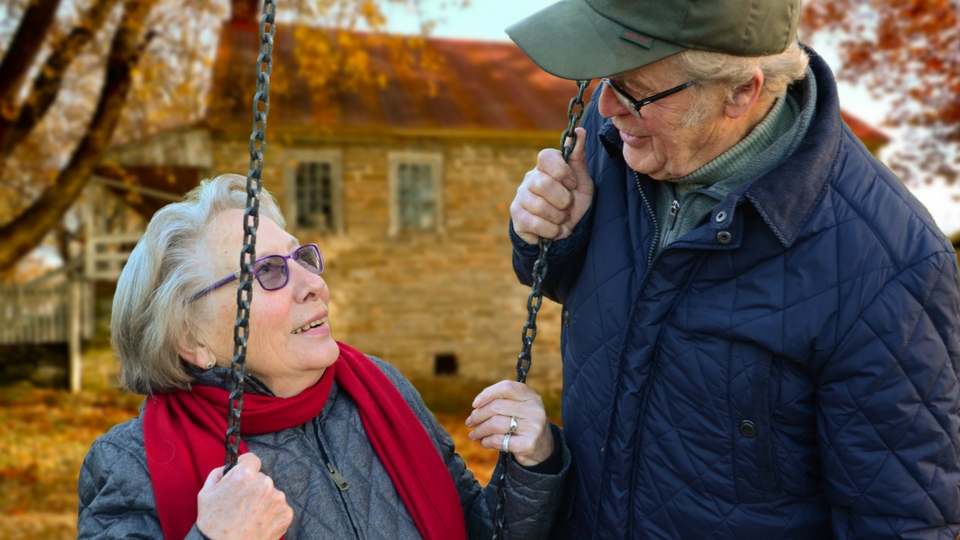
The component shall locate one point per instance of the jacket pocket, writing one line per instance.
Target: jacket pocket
(752, 390)
(766, 468)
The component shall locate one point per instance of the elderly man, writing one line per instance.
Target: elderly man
(760, 323)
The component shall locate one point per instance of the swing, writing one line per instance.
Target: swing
(251, 216)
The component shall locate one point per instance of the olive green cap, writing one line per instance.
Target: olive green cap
(588, 39)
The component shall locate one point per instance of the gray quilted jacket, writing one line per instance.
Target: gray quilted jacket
(116, 497)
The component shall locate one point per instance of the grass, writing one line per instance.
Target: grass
(48, 432)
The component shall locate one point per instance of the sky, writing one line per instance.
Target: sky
(486, 20)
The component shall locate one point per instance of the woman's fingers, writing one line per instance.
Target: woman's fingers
(495, 407)
(244, 503)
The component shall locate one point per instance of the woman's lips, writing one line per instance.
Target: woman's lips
(317, 330)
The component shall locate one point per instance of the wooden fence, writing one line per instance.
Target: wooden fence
(40, 313)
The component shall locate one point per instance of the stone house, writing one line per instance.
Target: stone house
(405, 185)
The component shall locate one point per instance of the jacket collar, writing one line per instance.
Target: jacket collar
(786, 196)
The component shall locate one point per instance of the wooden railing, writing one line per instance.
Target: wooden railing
(34, 315)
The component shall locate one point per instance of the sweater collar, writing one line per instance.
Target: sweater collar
(785, 196)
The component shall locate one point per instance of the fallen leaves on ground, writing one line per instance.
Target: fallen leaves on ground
(47, 433)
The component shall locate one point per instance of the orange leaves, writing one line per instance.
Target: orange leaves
(908, 50)
(46, 435)
(481, 461)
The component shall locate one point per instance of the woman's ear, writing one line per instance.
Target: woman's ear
(197, 354)
(745, 96)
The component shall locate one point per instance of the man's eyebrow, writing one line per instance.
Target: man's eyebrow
(630, 84)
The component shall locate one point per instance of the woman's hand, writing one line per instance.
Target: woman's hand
(555, 196)
(532, 442)
(243, 504)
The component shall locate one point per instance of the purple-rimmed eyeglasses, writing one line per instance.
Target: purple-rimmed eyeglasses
(633, 105)
(272, 271)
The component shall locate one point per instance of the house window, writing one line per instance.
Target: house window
(415, 191)
(445, 364)
(313, 186)
(314, 196)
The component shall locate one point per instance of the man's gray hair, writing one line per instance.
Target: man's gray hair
(152, 309)
(721, 73)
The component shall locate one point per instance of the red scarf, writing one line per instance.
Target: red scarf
(184, 437)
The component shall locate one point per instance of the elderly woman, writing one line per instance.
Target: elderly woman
(335, 444)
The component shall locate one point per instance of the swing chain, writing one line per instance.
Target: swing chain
(567, 141)
(251, 218)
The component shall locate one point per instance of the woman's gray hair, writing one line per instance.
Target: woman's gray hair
(720, 74)
(152, 309)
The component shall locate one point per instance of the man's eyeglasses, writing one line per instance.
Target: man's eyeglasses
(272, 271)
(633, 105)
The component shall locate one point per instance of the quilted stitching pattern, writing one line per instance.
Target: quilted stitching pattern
(858, 308)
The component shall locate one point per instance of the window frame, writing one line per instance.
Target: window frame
(292, 159)
(435, 161)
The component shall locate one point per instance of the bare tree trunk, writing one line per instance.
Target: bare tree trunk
(46, 84)
(22, 52)
(28, 229)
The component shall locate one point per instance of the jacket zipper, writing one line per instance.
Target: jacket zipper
(653, 216)
(338, 478)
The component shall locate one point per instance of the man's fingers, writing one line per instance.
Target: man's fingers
(577, 160)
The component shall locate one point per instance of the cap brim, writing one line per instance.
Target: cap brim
(572, 41)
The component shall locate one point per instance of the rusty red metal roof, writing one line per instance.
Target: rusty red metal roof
(864, 131)
(474, 86)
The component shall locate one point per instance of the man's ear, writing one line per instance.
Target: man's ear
(745, 96)
(196, 354)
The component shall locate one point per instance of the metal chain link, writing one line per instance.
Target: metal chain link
(251, 220)
(567, 142)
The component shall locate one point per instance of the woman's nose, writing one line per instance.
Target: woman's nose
(308, 284)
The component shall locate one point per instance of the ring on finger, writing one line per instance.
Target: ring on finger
(513, 425)
(506, 444)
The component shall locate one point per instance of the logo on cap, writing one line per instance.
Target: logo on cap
(638, 38)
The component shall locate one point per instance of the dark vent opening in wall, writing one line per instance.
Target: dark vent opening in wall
(445, 364)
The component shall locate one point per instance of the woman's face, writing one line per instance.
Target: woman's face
(287, 349)
(659, 144)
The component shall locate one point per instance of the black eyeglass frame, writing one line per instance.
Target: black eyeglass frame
(634, 105)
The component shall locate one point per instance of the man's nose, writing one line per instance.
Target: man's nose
(609, 105)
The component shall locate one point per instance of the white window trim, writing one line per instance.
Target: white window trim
(394, 160)
(291, 160)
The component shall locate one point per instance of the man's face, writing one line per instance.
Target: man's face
(660, 144)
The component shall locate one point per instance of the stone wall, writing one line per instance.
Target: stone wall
(409, 297)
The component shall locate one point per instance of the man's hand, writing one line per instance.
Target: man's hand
(554, 197)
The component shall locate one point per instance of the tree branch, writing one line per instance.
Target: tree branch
(47, 83)
(22, 52)
(29, 228)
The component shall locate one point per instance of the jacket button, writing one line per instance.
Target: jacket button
(724, 237)
(748, 429)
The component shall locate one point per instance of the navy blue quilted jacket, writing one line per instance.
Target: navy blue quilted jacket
(788, 369)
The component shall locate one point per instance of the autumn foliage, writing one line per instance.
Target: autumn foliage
(47, 433)
(907, 50)
(78, 77)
